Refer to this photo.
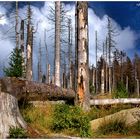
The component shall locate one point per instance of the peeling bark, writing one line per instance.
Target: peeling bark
(57, 44)
(29, 47)
(82, 54)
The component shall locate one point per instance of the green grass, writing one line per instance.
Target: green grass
(113, 126)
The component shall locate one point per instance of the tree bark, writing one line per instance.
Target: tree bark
(82, 53)
(39, 66)
(102, 81)
(57, 44)
(22, 45)
(34, 91)
(29, 71)
(48, 74)
(138, 92)
(16, 26)
(9, 114)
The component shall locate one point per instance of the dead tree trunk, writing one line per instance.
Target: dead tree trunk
(102, 81)
(127, 83)
(22, 45)
(93, 76)
(9, 114)
(29, 72)
(57, 44)
(138, 92)
(39, 66)
(48, 74)
(69, 52)
(82, 53)
(106, 66)
(96, 89)
(103, 73)
(16, 26)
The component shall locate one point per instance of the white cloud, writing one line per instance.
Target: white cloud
(125, 40)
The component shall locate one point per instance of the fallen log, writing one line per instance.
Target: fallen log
(34, 91)
(14, 89)
(114, 101)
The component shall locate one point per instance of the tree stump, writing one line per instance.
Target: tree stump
(9, 114)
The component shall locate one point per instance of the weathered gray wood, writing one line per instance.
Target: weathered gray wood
(57, 44)
(9, 114)
(114, 101)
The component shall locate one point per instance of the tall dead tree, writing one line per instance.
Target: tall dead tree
(57, 44)
(48, 74)
(47, 60)
(96, 51)
(22, 44)
(29, 45)
(70, 51)
(106, 67)
(82, 54)
(109, 54)
(103, 73)
(16, 26)
(39, 64)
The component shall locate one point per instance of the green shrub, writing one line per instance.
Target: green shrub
(91, 88)
(16, 132)
(121, 91)
(113, 126)
(138, 126)
(72, 117)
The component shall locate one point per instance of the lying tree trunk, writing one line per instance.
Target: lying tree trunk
(9, 114)
(35, 91)
(114, 101)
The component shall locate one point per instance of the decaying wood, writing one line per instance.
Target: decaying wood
(9, 114)
(82, 54)
(16, 26)
(114, 101)
(22, 45)
(57, 44)
(29, 47)
(35, 91)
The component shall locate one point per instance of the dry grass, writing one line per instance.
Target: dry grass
(38, 119)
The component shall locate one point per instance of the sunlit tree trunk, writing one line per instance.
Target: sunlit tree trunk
(57, 44)
(29, 46)
(82, 54)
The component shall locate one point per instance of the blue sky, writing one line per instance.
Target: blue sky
(125, 17)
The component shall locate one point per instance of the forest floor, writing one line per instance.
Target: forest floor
(39, 122)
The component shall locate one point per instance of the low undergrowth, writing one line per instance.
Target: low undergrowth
(71, 118)
(113, 126)
(16, 132)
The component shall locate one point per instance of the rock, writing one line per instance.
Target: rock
(130, 116)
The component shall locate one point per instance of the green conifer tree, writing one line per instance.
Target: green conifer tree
(16, 68)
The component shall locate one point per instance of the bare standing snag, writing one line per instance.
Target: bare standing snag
(82, 54)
